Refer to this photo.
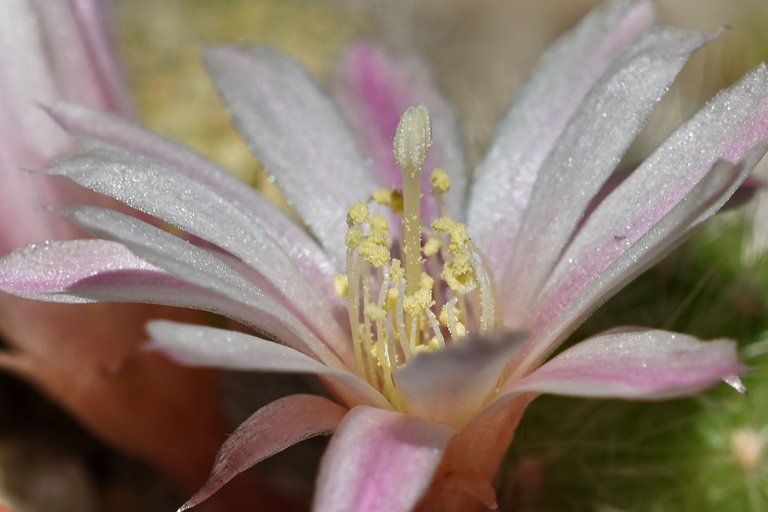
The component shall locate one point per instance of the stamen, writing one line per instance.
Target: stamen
(391, 304)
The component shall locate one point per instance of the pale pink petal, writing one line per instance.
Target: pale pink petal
(52, 268)
(96, 128)
(379, 461)
(44, 57)
(268, 431)
(653, 209)
(203, 269)
(373, 91)
(538, 116)
(450, 385)
(638, 364)
(295, 130)
(586, 154)
(92, 21)
(219, 348)
(161, 191)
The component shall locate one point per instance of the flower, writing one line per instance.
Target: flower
(431, 316)
(87, 359)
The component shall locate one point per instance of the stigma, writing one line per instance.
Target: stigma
(410, 287)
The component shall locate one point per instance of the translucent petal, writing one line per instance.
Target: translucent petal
(295, 130)
(540, 112)
(379, 461)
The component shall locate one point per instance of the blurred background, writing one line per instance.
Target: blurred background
(709, 453)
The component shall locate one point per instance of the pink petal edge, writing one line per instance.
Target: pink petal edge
(270, 430)
(379, 461)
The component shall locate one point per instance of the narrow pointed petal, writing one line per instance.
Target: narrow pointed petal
(450, 385)
(92, 21)
(637, 364)
(379, 461)
(268, 431)
(297, 133)
(538, 116)
(218, 348)
(84, 271)
(586, 154)
(170, 196)
(44, 57)
(652, 211)
(373, 91)
(202, 269)
(99, 129)
(52, 268)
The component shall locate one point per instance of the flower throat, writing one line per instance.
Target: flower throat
(439, 293)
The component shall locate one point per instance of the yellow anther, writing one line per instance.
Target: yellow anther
(374, 312)
(383, 196)
(341, 285)
(379, 223)
(380, 237)
(432, 246)
(418, 302)
(390, 198)
(426, 281)
(459, 238)
(459, 275)
(461, 331)
(396, 272)
(354, 237)
(357, 214)
(374, 252)
(397, 202)
(443, 224)
(441, 182)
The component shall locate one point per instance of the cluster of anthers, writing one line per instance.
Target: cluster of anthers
(440, 289)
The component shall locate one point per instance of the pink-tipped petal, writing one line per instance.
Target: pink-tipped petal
(379, 461)
(167, 194)
(586, 154)
(637, 364)
(295, 130)
(96, 129)
(450, 385)
(203, 269)
(269, 430)
(538, 116)
(195, 345)
(373, 91)
(38, 271)
(684, 182)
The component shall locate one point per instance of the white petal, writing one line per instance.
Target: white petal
(219, 348)
(652, 211)
(379, 461)
(638, 364)
(99, 129)
(160, 191)
(450, 385)
(540, 113)
(201, 268)
(586, 154)
(295, 130)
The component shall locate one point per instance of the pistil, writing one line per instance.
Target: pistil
(410, 145)
(400, 309)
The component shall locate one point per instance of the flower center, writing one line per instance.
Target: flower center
(442, 289)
